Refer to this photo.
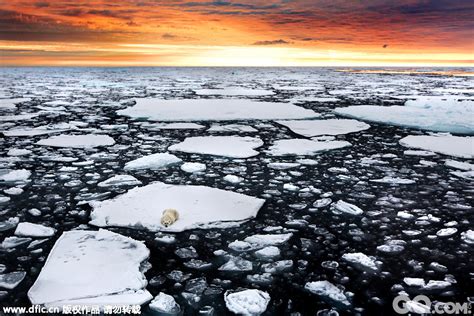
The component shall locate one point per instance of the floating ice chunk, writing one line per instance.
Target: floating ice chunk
(448, 115)
(422, 153)
(393, 180)
(18, 152)
(9, 224)
(239, 128)
(431, 285)
(459, 165)
(324, 127)
(77, 141)
(154, 162)
(469, 175)
(11, 280)
(247, 302)
(468, 236)
(10, 104)
(405, 215)
(277, 266)
(215, 110)
(226, 146)
(13, 191)
(238, 245)
(26, 229)
(456, 146)
(234, 91)
(237, 264)
(120, 180)
(40, 130)
(4, 199)
(260, 241)
(361, 261)
(328, 291)
(269, 252)
(446, 232)
(233, 178)
(14, 176)
(290, 187)
(12, 242)
(192, 167)
(78, 272)
(197, 206)
(19, 117)
(347, 208)
(176, 126)
(283, 165)
(322, 202)
(303, 147)
(164, 303)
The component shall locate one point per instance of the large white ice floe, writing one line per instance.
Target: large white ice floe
(247, 302)
(153, 161)
(361, 261)
(311, 128)
(77, 141)
(435, 114)
(456, 146)
(328, 291)
(234, 91)
(226, 146)
(197, 206)
(214, 109)
(180, 125)
(92, 268)
(10, 104)
(298, 146)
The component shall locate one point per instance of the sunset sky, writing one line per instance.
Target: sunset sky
(237, 33)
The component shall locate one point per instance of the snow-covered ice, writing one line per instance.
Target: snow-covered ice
(164, 303)
(198, 207)
(14, 176)
(435, 114)
(153, 162)
(328, 291)
(346, 208)
(11, 280)
(247, 302)
(77, 141)
(286, 147)
(213, 109)
(234, 91)
(78, 271)
(457, 146)
(120, 180)
(239, 128)
(192, 167)
(10, 104)
(311, 128)
(226, 146)
(33, 230)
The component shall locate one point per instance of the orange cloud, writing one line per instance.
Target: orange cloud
(243, 32)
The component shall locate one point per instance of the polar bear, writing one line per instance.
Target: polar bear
(170, 215)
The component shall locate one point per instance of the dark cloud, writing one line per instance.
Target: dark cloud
(274, 42)
(168, 36)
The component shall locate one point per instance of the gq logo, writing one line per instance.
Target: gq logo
(421, 304)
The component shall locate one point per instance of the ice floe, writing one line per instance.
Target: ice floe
(239, 128)
(198, 207)
(286, 147)
(175, 126)
(328, 291)
(247, 302)
(10, 104)
(435, 114)
(164, 303)
(216, 110)
(14, 176)
(234, 91)
(456, 146)
(361, 261)
(192, 167)
(393, 180)
(153, 162)
(77, 141)
(120, 180)
(311, 128)
(226, 146)
(11, 280)
(346, 208)
(78, 271)
(26, 229)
